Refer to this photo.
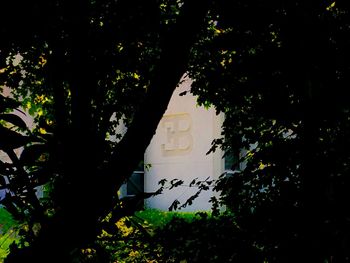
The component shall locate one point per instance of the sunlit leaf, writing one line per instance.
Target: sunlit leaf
(14, 119)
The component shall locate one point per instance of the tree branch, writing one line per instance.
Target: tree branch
(176, 48)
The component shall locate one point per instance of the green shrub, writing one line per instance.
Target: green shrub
(155, 236)
(131, 239)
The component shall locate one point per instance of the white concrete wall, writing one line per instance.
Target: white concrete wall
(178, 150)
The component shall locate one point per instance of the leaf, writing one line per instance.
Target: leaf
(9, 203)
(12, 140)
(175, 183)
(174, 205)
(190, 200)
(32, 153)
(162, 182)
(14, 119)
(193, 182)
(8, 104)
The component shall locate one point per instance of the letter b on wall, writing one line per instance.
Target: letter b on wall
(178, 138)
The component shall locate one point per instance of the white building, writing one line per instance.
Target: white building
(178, 150)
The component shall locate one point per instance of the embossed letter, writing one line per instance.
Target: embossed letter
(179, 140)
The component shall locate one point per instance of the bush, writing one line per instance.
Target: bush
(157, 236)
(135, 238)
(206, 239)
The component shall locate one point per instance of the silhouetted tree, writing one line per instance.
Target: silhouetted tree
(80, 67)
(279, 70)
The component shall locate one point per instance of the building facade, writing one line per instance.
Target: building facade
(178, 150)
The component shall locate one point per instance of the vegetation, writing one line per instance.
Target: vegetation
(158, 219)
(280, 73)
(137, 238)
(8, 233)
(158, 236)
(133, 240)
(278, 70)
(85, 66)
(6, 221)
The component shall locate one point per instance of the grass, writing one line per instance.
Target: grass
(158, 218)
(7, 232)
(6, 221)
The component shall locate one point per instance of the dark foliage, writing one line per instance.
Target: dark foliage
(279, 70)
(206, 239)
(80, 67)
